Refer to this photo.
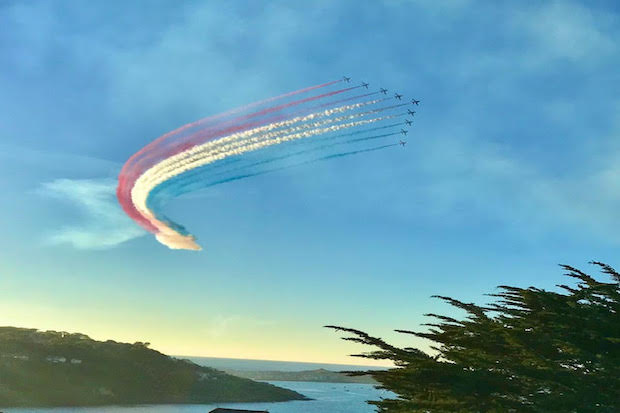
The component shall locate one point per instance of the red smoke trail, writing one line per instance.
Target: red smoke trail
(141, 159)
(247, 107)
(162, 138)
(198, 135)
(123, 193)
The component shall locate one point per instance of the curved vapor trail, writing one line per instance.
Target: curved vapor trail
(210, 150)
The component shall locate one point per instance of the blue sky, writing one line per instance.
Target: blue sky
(512, 167)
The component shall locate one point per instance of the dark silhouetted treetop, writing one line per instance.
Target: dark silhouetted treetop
(530, 350)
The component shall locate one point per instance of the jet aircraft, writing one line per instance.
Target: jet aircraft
(346, 79)
(404, 132)
(384, 91)
(402, 143)
(364, 84)
(411, 112)
(415, 102)
(408, 122)
(397, 96)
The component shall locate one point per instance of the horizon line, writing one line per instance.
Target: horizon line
(279, 361)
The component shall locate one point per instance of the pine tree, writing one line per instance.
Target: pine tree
(529, 351)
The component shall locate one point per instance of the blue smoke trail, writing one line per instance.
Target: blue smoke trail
(191, 180)
(154, 201)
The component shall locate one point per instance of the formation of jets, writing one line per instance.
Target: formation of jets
(398, 96)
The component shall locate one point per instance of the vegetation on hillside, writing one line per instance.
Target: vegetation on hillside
(530, 351)
(60, 369)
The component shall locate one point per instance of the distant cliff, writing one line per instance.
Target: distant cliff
(320, 375)
(60, 369)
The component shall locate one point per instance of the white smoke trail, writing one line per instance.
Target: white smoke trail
(154, 174)
(254, 138)
(242, 143)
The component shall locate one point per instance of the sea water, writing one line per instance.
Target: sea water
(327, 398)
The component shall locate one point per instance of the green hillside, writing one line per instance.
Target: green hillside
(60, 369)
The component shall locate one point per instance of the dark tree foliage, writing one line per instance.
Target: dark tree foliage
(530, 351)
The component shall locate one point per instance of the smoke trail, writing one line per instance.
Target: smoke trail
(133, 170)
(149, 154)
(195, 154)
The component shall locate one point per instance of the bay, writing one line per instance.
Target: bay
(327, 398)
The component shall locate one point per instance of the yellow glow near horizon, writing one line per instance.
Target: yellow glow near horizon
(241, 342)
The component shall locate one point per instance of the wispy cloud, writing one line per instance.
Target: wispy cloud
(104, 225)
(221, 325)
